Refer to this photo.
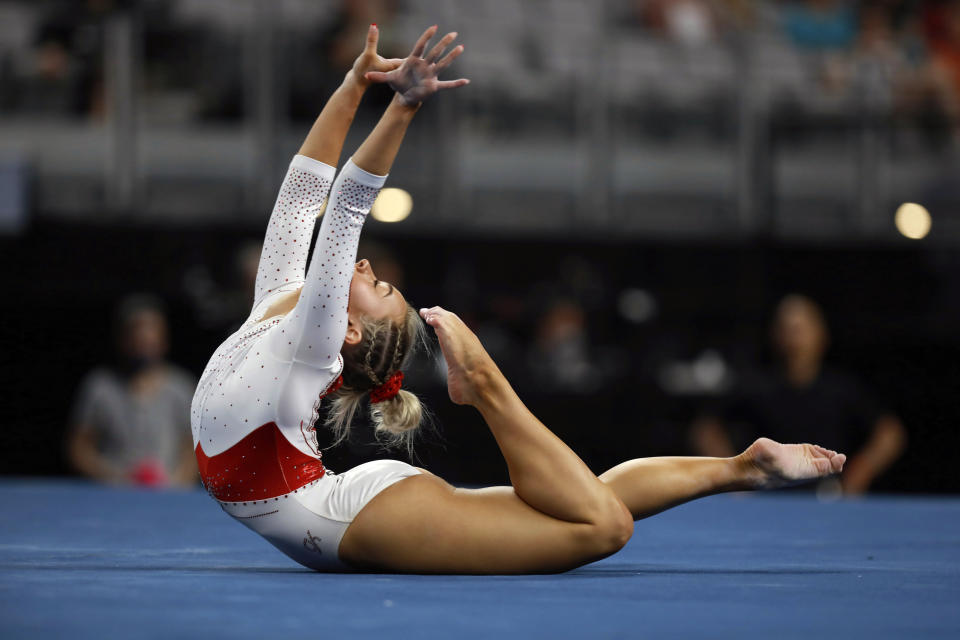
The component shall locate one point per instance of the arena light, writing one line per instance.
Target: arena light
(392, 205)
(913, 220)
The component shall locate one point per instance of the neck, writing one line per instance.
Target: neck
(800, 372)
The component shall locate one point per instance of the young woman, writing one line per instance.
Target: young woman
(338, 332)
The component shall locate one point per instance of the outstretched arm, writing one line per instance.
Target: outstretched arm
(325, 140)
(319, 320)
(310, 176)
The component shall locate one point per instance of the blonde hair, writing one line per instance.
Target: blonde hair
(382, 351)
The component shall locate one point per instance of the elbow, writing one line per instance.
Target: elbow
(893, 435)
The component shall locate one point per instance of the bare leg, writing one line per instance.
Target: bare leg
(544, 471)
(553, 480)
(557, 515)
(650, 485)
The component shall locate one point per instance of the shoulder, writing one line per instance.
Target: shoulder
(99, 388)
(98, 380)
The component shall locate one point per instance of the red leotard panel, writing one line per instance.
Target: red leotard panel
(262, 465)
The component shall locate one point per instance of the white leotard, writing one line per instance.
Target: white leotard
(254, 410)
(276, 370)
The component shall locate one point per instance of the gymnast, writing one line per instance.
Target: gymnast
(337, 333)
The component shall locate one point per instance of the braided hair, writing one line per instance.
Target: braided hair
(384, 349)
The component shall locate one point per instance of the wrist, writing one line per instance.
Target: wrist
(355, 83)
(404, 104)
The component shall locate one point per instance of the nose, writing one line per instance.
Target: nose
(364, 267)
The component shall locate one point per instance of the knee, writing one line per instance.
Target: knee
(614, 529)
(622, 527)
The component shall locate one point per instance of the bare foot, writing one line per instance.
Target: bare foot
(469, 367)
(773, 465)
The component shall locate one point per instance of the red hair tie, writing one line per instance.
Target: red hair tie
(388, 389)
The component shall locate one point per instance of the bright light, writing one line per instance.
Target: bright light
(392, 205)
(913, 220)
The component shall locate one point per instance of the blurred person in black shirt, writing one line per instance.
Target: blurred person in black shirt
(806, 401)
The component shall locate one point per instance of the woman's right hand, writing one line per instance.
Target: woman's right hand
(370, 61)
(415, 79)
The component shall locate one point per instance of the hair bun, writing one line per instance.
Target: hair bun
(397, 415)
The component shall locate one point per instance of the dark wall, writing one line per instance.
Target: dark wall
(893, 313)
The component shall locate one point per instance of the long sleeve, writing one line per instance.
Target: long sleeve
(287, 241)
(314, 330)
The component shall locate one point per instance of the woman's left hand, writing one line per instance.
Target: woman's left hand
(369, 61)
(415, 79)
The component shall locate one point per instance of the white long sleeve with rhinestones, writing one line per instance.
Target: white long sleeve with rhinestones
(287, 241)
(275, 370)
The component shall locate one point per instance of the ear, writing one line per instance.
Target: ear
(354, 333)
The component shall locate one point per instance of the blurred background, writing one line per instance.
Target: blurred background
(661, 216)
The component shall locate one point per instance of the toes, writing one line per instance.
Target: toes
(823, 466)
(434, 316)
(824, 451)
(838, 461)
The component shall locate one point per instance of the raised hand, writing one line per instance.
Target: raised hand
(370, 61)
(415, 79)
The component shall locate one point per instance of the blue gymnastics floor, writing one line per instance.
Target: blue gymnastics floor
(80, 561)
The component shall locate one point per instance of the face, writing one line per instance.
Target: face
(145, 335)
(372, 298)
(798, 330)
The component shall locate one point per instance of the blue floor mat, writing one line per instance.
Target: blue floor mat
(81, 561)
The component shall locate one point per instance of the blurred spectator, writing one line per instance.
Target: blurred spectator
(334, 51)
(820, 25)
(942, 27)
(131, 424)
(879, 62)
(943, 32)
(739, 14)
(350, 27)
(69, 60)
(805, 401)
(560, 357)
(565, 358)
(688, 22)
